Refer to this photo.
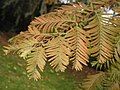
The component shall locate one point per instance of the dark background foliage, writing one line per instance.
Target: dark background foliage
(15, 15)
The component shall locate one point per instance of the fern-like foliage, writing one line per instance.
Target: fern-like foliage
(71, 33)
(59, 21)
(78, 42)
(36, 62)
(102, 36)
(110, 80)
(58, 52)
(93, 81)
(103, 28)
(102, 81)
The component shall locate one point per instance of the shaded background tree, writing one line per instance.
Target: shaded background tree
(15, 15)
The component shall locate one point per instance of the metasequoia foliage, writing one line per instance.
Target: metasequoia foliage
(102, 81)
(109, 80)
(92, 81)
(71, 33)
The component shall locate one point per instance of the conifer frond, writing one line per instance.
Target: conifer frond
(58, 52)
(112, 80)
(36, 62)
(117, 49)
(26, 47)
(22, 47)
(114, 86)
(102, 35)
(53, 22)
(10, 49)
(93, 81)
(78, 42)
(60, 20)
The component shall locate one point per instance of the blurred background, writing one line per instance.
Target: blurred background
(15, 15)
